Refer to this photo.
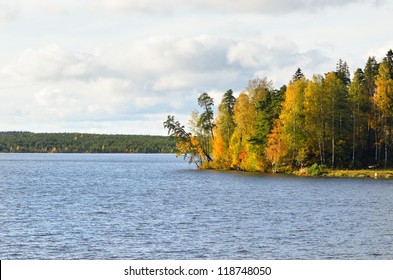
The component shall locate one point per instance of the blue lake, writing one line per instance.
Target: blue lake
(133, 206)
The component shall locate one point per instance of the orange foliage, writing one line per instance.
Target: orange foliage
(275, 147)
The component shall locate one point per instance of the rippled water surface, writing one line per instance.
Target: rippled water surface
(80, 206)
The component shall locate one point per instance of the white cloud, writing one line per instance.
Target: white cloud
(26, 8)
(7, 13)
(380, 51)
(248, 54)
(145, 6)
(54, 63)
(81, 101)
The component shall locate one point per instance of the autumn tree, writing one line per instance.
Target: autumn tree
(330, 120)
(292, 120)
(383, 100)
(338, 114)
(245, 154)
(316, 119)
(244, 119)
(252, 126)
(360, 106)
(370, 75)
(275, 146)
(225, 123)
(224, 129)
(186, 144)
(197, 145)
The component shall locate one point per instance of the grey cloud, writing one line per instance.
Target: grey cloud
(290, 55)
(257, 55)
(276, 6)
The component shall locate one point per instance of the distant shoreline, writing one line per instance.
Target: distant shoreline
(93, 153)
(29, 142)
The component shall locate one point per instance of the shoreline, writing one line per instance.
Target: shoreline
(361, 173)
(344, 173)
(327, 172)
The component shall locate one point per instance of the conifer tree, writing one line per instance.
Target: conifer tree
(298, 75)
(342, 72)
(389, 60)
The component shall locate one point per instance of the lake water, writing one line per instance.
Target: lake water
(127, 206)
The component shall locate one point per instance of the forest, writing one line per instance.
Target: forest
(330, 120)
(28, 142)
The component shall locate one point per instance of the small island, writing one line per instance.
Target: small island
(329, 125)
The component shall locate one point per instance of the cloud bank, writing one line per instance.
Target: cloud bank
(159, 74)
(121, 66)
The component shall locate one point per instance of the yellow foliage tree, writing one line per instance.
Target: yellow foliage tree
(292, 118)
(275, 146)
(224, 127)
(383, 100)
(244, 155)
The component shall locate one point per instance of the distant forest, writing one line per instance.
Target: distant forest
(331, 120)
(28, 142)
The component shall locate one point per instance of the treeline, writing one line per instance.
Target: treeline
(329, 120)
(27, 142)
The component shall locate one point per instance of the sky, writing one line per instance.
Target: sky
(122, 66)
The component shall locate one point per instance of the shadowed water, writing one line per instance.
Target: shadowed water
(127, 206)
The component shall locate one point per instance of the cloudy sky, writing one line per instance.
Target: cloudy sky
(121, 66)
